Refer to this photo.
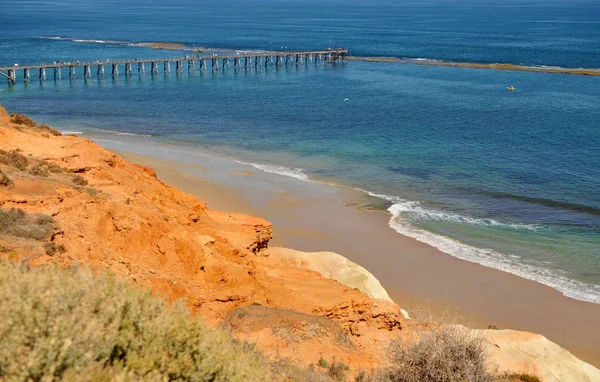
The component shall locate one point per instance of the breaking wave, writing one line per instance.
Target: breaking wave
(487, 257)
(297, 173)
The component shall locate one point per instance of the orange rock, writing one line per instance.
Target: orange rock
(127, 221)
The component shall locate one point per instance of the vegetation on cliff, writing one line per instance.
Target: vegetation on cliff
(67, 324)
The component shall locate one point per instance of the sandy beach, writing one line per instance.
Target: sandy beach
(312, 216)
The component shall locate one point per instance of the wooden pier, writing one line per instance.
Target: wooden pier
(192, 63)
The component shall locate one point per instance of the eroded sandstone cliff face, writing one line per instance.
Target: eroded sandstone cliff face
(115, 215)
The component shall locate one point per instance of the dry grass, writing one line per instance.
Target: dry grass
(54, 168)
(79, 180)
(516, 377)
(39, 170)
(52, 131)
(284, 370)
(65, 324)
(23, 120)
(450, 353)
(16, 222)
(52, 248)
(5, 181)
(14, 159)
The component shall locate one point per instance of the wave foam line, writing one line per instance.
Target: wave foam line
(86, 41)
(296, 173)
(123, 133)
(571, 288)
(424, 213)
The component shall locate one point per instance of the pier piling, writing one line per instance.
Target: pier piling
(251, 59)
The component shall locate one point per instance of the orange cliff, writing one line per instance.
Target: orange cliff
(127, 221)
(113, 215)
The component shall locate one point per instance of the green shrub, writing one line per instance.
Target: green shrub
(79, 180)
(447, 354)
(66, 324)
(323, 363)
(16, 222)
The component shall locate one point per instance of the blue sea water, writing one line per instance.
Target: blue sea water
(506, 179)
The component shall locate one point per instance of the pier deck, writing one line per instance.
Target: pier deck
(239, 60)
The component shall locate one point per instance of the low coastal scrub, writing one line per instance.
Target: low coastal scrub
(66, 324)
(50, 130)
(16, 222)
(5, 181)
(39, 170)
(448, 354)
(23, 120)
(284, 370)
(14, 159)
(79, 180)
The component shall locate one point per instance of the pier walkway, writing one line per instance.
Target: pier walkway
(240, 60)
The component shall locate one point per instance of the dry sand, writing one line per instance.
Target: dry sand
(417, 276)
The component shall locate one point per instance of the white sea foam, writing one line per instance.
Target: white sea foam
(492, 259)
(297, 173)
(83, 40)
(71, 132)
(417, 210)
(123, 133)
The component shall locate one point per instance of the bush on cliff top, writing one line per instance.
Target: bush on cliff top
(24, 120)
(448, 354)
(65, 324)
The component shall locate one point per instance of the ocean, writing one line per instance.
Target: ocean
(507, 179)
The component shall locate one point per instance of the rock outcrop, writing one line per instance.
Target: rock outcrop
(511, 351)
(337, 267)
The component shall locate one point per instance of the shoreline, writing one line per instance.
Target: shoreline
(417, 276)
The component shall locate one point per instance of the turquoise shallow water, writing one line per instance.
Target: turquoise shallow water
(506, 179)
